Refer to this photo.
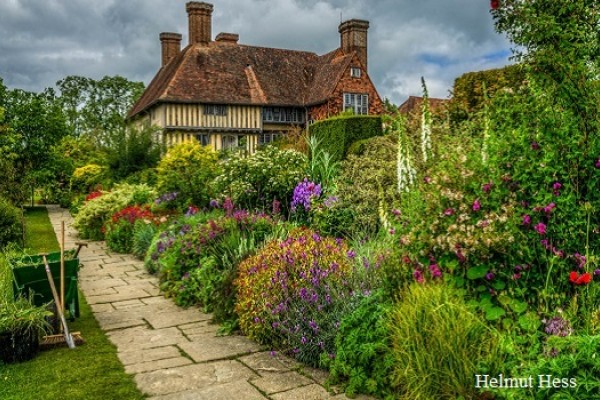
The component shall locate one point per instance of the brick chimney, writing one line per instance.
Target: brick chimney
(228, 38)
(353, 35)
(171, 46)
(200, 22)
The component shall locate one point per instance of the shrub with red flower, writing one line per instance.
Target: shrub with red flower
(119, 230)
(93, 195)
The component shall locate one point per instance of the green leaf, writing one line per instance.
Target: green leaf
(477, 272)
(499, 285)
(518, 306)
(529, 322)
(494, 313)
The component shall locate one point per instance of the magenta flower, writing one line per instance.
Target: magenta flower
(487, 187)
(597, 272)
(448, 212)
(598, 163)
(548, 209)
(435, 270)
(418, 275)
(490, 276)
(540, 228)
(526, 220)
(476, 205)
(556, 188)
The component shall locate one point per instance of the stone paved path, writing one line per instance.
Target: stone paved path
(174, 353)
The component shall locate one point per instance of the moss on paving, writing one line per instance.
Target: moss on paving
(89, 372)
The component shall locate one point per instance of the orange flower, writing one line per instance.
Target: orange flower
(582, 279)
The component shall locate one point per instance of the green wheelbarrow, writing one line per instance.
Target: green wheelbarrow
(30, 279)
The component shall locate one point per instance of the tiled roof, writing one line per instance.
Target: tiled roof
(224, 73)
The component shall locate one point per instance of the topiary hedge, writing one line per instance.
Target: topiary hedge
(338, 133)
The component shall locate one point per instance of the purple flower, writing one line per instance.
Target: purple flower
(597, 272)
(487, 187)
(490, 276)
(435, 270)
(535, 145)
(276, 207)
(476, 205)
(540, 228)
(558, 326)
(304, 193)
(330, 201)
(556, 188)
(526, 220)
(548, 209)
(598, 163)
(581, 260)
(214, 204)
(228, 207)
(518, 268)
(418, 275)
(351, 254)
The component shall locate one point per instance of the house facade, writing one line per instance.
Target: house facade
(230, 96)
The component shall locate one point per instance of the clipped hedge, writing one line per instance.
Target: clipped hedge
(338, 133)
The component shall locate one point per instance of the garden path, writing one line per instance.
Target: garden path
(175, 353)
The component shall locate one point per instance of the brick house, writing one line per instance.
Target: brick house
(229, 95)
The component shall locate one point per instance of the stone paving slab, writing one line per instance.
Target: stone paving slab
(240, 390)
(217, 348)
(196, 376)
(175, 353)
(275, 383)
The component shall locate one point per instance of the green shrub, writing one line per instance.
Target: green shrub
(188, 170)
(363, 360)
(94, 213)
(368, 181)
(143, 233)
(11, 226)
(293, 292)
(338, 133)
(255, 182)
(569, 357)
(86, 178)
(439, 345)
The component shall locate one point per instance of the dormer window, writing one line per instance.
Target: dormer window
(355, 72)
(215, 109)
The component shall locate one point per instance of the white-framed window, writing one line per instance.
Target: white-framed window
(357, 102)
(215, 109)
(283, 115)
(355, 72)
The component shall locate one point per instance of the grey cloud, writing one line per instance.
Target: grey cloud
(44, 41)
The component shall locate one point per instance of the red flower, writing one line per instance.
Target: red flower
(494, 4)
(582, 279)
(93, 195)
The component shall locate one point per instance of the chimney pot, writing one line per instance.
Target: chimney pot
(171, 46)
(353, 37)
(200, 22)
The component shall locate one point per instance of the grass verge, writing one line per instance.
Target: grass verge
(89, 372)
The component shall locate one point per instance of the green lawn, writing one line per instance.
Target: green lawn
(39, 235)
(89, 372)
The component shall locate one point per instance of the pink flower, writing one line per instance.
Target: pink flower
(427, 180)
(487, 187)
(540, 228)
(418, 275)
(556, 188)
(598, 163)
(526, 220)
(448, 212)
(476, 205)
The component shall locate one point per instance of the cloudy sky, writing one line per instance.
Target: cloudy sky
(42, 41)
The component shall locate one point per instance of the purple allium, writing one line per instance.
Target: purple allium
(476, 205)
(558, 326)
(540, 228)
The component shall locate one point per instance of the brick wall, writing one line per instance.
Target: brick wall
(349, 84)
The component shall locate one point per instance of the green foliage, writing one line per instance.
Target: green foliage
(22, 317)
(88, 177)
(92, 216)
(322, 168)
(468, 97)
(439, 345)
(188, 169)
(143, 233)
(362, 180)
(570, 357)
(132, 151)
(255, 182)
(363, 358)
(338, 133)
(11, 224)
